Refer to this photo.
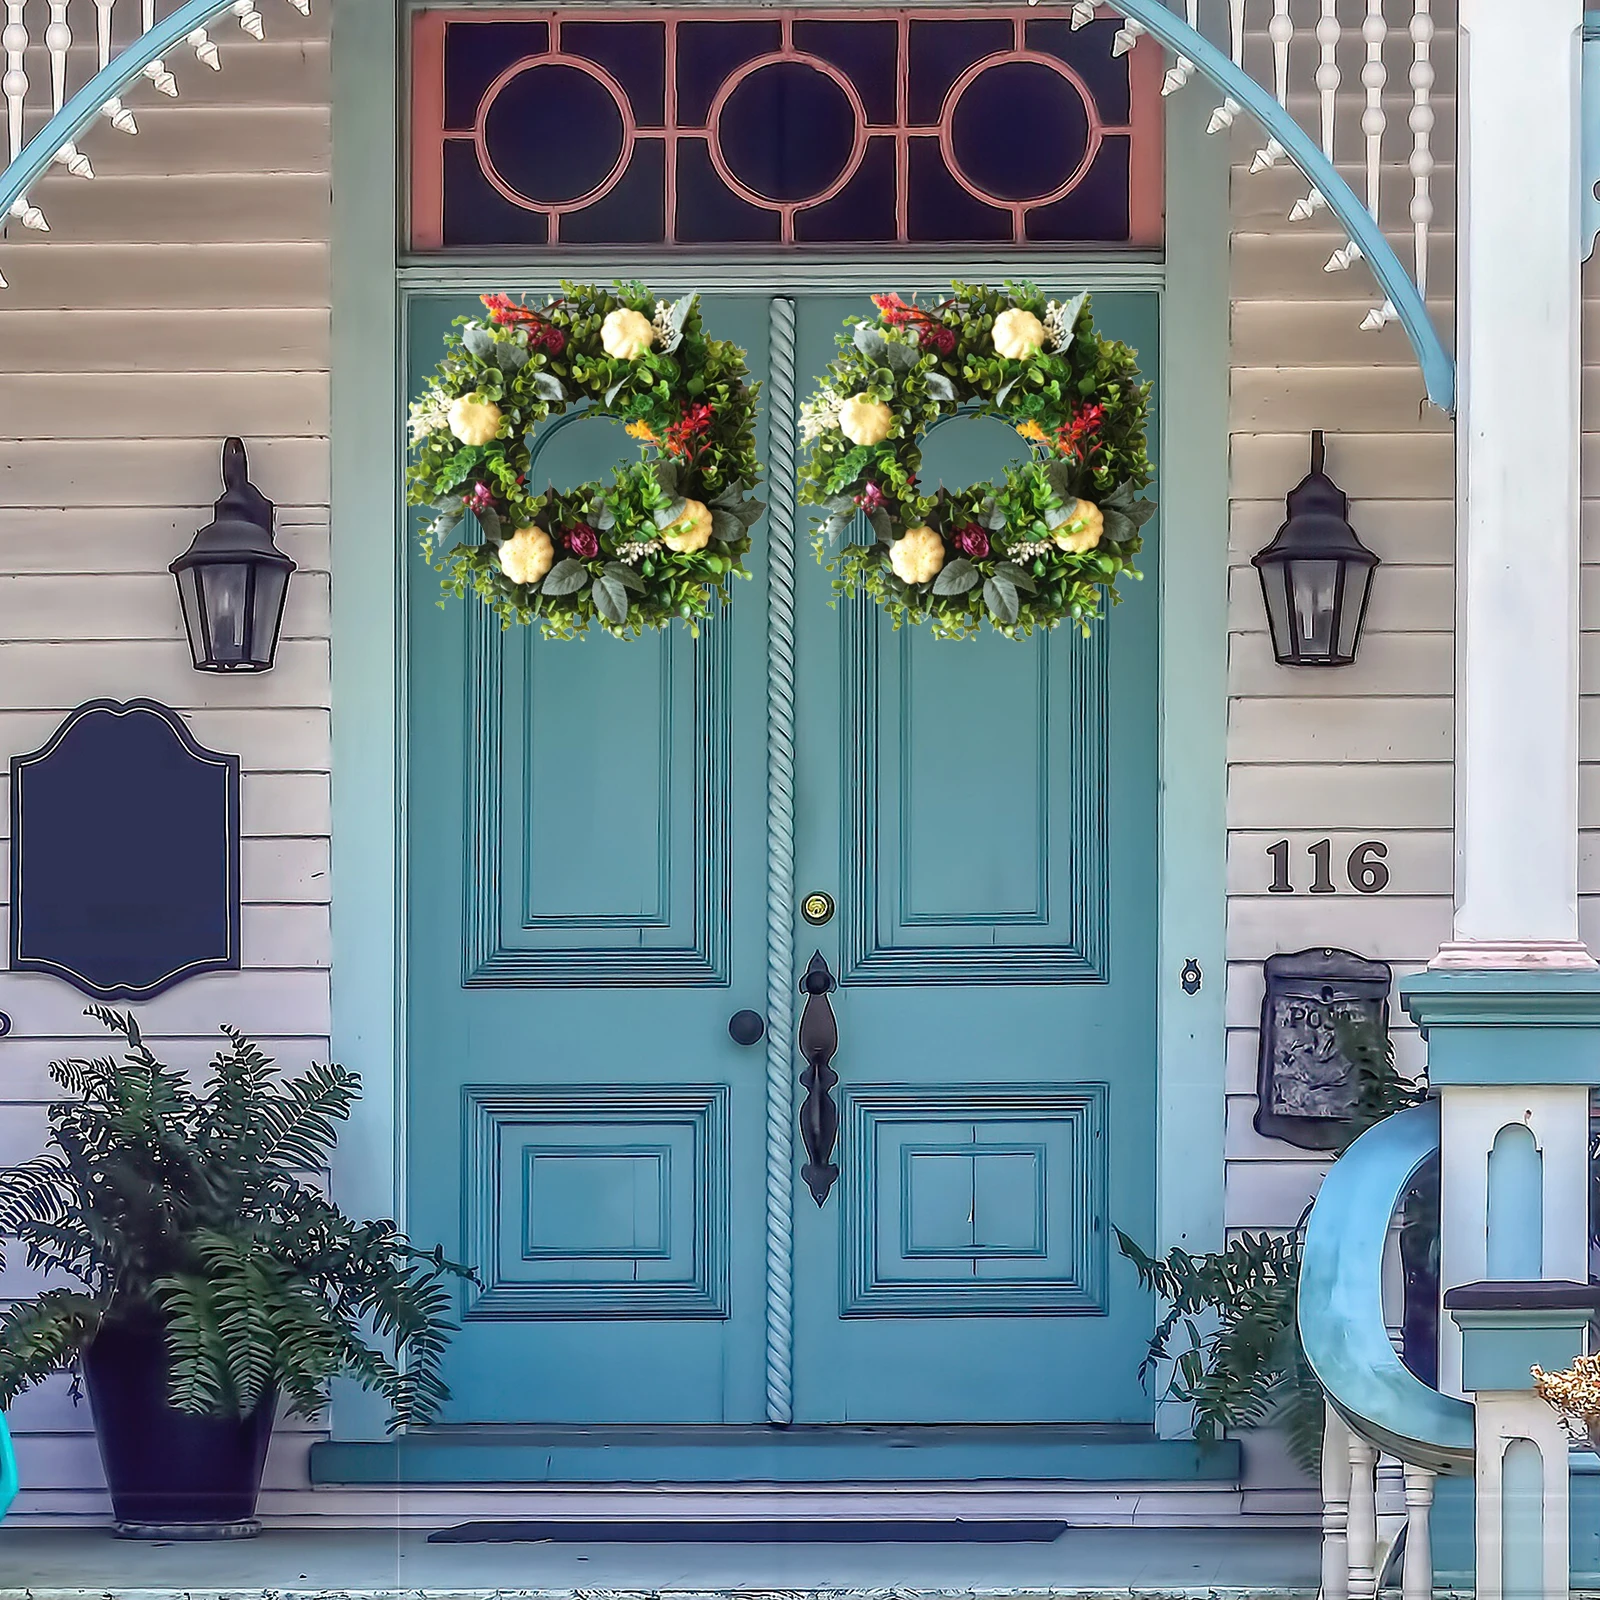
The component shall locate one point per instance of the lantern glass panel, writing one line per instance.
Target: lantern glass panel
(1357, 585)
(271, 585)
(225, 591)
(1316, 600)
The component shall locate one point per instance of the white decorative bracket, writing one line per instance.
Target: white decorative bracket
(1590, 164)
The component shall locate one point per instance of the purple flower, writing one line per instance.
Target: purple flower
(870, 499)
(972, 541)
(480, 499)
(583, 542)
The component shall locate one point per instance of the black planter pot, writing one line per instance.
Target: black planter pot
(171, 1475)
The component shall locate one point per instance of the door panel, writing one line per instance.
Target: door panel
(587, 871)
(984, 813)
(586, 889)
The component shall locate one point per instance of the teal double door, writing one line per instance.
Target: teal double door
(593, 890)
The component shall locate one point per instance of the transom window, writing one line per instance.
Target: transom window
(858, 127)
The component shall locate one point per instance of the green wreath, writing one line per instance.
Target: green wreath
(654, 544)
(1041, 548)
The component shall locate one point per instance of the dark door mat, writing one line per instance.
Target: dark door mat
(816, 1531)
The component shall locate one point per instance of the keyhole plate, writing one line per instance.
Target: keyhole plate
(817, 908)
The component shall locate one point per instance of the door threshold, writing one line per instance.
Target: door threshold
(737, 1453)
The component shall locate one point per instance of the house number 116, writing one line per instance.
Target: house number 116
(1364, 867)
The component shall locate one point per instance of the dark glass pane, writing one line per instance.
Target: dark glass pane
(474, 57)
(939, 210)
(554, 132)
(940, 52)
(1088, 53)
(990, 110)
(634, 53)
(709, 212)
(633, 211)
(1097, 209)
(863, 211)
(475, 213)
(787, 131)
(865, 52)
(708, 53)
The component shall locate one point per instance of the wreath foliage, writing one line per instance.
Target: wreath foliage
(1038, 549)
(654, 544)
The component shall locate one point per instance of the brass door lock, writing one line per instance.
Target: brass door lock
(817, 908)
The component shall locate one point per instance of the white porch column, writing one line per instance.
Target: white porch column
(1517, 324)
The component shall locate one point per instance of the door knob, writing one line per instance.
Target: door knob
(746, 1027)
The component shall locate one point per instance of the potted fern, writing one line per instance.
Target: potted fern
(211, 1280)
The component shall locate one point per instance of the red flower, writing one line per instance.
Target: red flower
(935, 336)
(894, 310)
(1077, 438)
(972, 541)
(870, 499)
(506, 311)
(583, 541)
(554, 339)
(480, 500)
(685, 436)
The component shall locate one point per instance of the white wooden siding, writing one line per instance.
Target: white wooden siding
(182, 296)
(1353, 753)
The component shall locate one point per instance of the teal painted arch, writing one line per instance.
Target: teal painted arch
(1438, 369)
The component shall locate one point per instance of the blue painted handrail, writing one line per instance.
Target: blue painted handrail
(1438, 369)
(1342, 1328)
(9, 1482)
(109, 82)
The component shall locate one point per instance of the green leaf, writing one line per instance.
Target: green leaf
(627, 577)
(678, 311)
(1004, 391)
(616, 389)
(882, 526)
(602, 516)
(489, 521)
(1001, 599)
(549, 387)
(1015, 576)
(725, 525)
(834, 527)
(611, 597)
(1069, 317)
(667, 515)
(870, 341)
(940, 388)
(565, 577)
(668, 475)
(512, 357)
(902, 356)
(480, 342)
(956, 577)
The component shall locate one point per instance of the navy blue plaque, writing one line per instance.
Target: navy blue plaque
(124, 853)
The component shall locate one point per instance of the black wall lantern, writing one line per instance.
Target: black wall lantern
(1316, 575)
(233, 580)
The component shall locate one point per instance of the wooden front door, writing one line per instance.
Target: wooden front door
(590, 863)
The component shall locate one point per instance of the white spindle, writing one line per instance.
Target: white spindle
(1126, 37)
(304, 7)
(249, 18)
(1421, 121)
(1183, 68)
(1374, 121)
(1335, 1506)
(1082, 13)
(58, 41)
(157, 72)
(1416, 1572)
(1363, 1518)
(1281, 31)
(200, 42)
(15, 82)
(120, 117)
(1228, 111)
(1328, 35)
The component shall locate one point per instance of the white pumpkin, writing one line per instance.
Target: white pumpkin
(692, 531)
(626, 334)
(474, 421)
(1018, 334)
(1082, 531)
(527, 555)
(865, 421)
(917, 555)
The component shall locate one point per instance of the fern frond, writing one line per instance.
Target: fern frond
(44, 1335)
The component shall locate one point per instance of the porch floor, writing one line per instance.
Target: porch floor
(1220, 1564)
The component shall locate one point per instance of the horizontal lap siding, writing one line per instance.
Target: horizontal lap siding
(180, 297)
(1360, 752)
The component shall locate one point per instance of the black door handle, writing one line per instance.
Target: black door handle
(819, 1116)
(746, 1027)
